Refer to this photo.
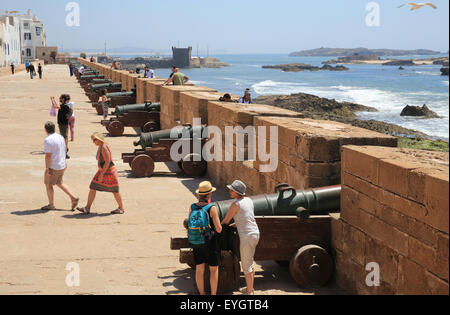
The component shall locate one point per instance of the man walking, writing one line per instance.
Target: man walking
(12, 68)
(32, 71)
(40, 71)
(55, 166)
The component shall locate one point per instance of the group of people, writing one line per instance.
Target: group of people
(246, 99)
(31, 69)
(208, 252)
(56, 155)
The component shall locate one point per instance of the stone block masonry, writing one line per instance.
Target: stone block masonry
(395, 212)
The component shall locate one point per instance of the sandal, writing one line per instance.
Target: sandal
(75, 203)
(84, 210)
(118, 211)
(48, 208)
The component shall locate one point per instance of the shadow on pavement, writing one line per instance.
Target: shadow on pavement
(37, 211)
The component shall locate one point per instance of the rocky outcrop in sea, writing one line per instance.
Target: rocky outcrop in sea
(417, 111)
(297, 67)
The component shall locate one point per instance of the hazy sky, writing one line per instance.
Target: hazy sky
(240, 26)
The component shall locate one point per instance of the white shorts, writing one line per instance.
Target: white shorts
(248, 245)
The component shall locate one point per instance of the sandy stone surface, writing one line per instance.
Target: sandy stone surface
(126, 254)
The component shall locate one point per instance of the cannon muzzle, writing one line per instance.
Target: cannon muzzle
(96, 87)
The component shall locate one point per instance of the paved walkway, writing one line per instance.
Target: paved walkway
(126, 254)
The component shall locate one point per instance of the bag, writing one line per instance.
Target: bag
(199, 229)
(69, 112)
(52, 111)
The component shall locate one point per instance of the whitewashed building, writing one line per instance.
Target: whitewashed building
(32, 35)
(11, 44)
(2, 50)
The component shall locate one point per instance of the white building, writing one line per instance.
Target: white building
(32, 35)
(11, 39)
(2, 50)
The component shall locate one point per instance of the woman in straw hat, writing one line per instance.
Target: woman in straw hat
(209, 252)
(106, 178)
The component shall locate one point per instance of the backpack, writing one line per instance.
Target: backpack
(69, 112)
(199, 229)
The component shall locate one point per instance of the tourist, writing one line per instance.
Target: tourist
(247, 98)
(72, 119)
(27, 66)
(92, 59)
(209, 252)
(12, 68)
(81, 70)
(55, 166)
(64, 114)
(115, 65)
(106, 179)
(40, 71)
(225, 98)
(174, 68)
(103, 100)
(71, 69)
(32, 71)
(149, 73)
(242, 211)
(178, 78)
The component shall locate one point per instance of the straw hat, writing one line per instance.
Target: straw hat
(205, 188)
(98, 136)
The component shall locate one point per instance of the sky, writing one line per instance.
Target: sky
(240, 26)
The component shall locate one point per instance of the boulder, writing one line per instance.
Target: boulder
(444, 71)
(417, 111)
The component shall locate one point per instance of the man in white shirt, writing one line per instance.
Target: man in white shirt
(149, 73)
(55, 166)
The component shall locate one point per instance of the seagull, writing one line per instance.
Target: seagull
(416, 6)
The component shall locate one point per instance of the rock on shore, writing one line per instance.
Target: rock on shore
(297, 67)
(417, 111)
(325, 109)
(444, 71)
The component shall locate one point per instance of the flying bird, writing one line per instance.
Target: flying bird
(416, 6)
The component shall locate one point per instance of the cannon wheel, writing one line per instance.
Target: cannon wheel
(229, 273)
(142, 166)
(116, 128)
(193, 168)
(150, 126)
(99, 109)
(311, 266)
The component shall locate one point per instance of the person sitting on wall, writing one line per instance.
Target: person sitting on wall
(247, 98)
(149, 73)
(115, 65)
(225, 98)
(178, 78)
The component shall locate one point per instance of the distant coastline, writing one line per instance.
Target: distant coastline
(346, 52)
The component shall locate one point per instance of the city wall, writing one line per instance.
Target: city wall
(394, 202)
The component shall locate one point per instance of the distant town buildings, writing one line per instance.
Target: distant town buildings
(22, 38)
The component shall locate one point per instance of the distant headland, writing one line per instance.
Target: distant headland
(346, 52)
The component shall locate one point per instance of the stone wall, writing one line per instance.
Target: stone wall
(394, 212)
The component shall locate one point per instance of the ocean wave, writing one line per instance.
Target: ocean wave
(445, 82)
(428, 72)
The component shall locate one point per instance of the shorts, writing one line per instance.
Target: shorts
(207, 254)
(63, 130)
(55, 178)
(248, 248)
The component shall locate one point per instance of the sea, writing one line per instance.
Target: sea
(386, 88)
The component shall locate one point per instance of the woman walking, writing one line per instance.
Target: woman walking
(106, 178)
(242, 211)
(207, 253)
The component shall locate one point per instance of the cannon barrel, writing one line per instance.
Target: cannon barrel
(120, 94)
(96, 87)
(147, 107)
(290, 202)
(92, 76)
(101, 81)
(148, 139)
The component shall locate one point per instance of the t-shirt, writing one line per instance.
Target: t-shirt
(245, 218)
(178, 78)
(56, 145)
(62, 115)
(150, 73)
